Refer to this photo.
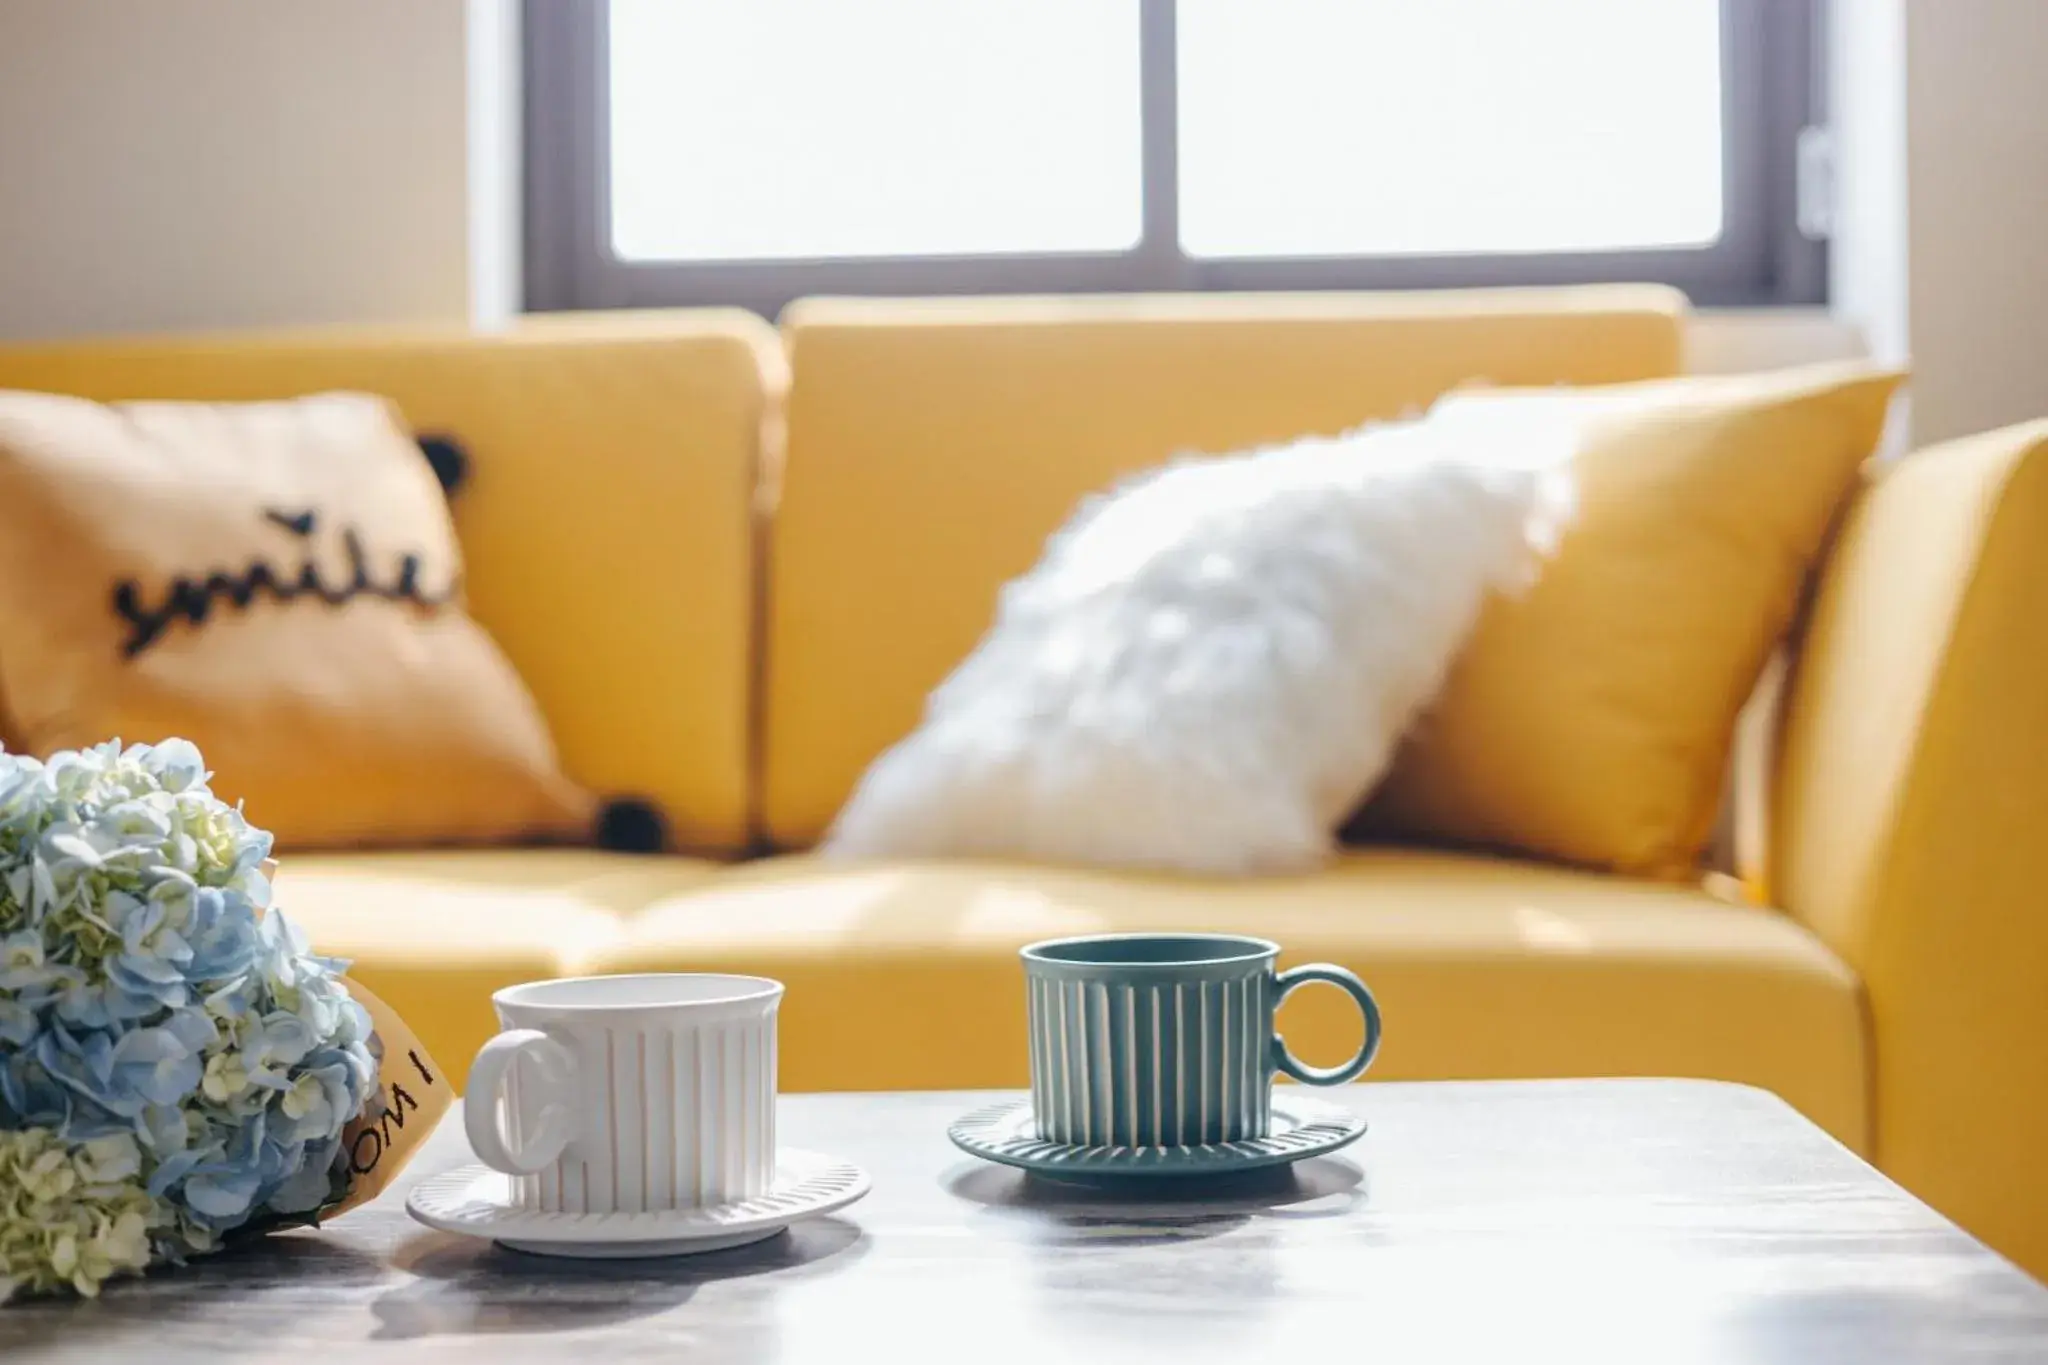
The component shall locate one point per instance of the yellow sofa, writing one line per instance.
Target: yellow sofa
(731, 562)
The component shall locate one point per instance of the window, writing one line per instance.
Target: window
(703, 151)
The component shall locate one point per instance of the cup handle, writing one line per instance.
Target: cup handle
(1336, 976)
(481, 1103)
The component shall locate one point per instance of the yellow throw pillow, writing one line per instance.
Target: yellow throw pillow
(280, 584)
(1590, 719)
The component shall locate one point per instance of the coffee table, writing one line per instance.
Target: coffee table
(1588, 1221)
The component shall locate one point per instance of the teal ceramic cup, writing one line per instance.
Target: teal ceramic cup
(1167, 1040)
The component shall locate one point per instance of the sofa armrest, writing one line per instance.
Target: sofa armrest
(1910, 817)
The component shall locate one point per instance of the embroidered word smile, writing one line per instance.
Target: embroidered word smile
(193, 598)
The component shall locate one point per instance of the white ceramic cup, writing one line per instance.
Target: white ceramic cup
(629, 1094)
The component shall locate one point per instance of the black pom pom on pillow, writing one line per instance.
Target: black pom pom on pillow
(450, 464)
(629, 825)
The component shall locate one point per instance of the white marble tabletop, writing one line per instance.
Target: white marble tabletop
(1588, 1221)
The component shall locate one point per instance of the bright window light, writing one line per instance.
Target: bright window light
(795, 129)
(1397, 127)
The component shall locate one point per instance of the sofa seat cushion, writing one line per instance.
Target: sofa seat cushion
(905, 975)
(434, 934)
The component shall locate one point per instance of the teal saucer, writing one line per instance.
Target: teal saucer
(1302, 1128)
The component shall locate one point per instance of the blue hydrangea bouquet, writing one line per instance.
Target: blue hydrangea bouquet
(175, 1066)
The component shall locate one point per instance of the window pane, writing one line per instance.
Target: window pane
(764, 129)
(1369, 127)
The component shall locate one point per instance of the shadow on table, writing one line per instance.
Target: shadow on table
(1996, 1318)
(1156, 1212)
(261, 1286)
(465, 1287)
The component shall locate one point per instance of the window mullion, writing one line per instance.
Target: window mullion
(1160, 264)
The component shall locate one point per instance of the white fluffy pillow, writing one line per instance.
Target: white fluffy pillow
(1212, 664)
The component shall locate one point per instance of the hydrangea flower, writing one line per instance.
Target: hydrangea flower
(175, 1064)
(71, 1213)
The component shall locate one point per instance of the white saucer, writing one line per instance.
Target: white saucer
(477, 1202)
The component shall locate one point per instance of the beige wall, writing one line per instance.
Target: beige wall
(1941, 252)
(1868, 256)
(180, 164)
(1977, 154)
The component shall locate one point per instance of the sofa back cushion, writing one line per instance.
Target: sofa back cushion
(605, 515)
(934, 444)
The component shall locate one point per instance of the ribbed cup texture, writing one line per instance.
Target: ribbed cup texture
(1169, 1065)
(671, 1118)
